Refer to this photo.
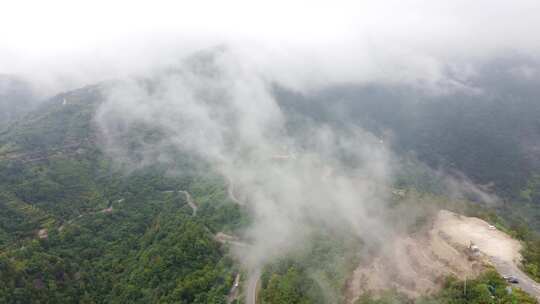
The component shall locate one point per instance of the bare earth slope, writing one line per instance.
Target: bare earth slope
(417, 264)
(501, 250)
(464, 230)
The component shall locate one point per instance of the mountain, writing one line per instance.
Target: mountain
(75, 228)
(487, 129)
(79, 226)
(17, 97)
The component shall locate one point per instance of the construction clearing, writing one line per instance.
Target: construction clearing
(450, 245)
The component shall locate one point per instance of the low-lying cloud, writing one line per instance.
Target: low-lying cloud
(215, 108)
(219, 104)
(302, 45)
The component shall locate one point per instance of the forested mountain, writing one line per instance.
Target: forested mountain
(488, 128)
(75, 228)
(287, 152)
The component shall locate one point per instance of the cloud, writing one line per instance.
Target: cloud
(216, 108)
(303, 45)
(218, 104)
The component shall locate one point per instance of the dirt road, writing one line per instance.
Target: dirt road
(230, 240)
(190, 201)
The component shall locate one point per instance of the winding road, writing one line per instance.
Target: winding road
(526, 284)
(254, 275)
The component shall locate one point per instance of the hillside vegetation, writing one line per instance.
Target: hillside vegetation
(75, 228)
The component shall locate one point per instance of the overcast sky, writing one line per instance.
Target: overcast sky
(302, 44)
